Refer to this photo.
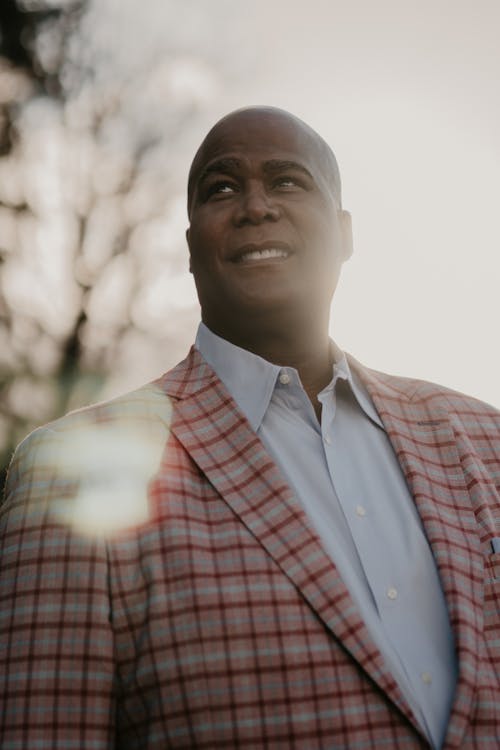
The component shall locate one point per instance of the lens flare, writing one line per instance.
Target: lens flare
(98, 464)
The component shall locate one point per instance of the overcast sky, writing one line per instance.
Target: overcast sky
(408, 96)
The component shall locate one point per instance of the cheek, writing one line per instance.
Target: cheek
(323, 241)
(319, 222)
(201, 242)
(206, 236)
(331, 242)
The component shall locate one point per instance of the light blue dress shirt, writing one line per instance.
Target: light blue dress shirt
(345, 473)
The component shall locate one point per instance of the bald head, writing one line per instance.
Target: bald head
(248, 118)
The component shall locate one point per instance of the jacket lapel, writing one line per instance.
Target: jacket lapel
(426, 447)
(225, 448)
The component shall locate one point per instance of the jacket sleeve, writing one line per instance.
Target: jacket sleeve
(56, 640)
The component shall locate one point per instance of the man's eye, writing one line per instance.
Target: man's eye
(287, 182)
(220, 188)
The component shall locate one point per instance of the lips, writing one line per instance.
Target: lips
(255, 253)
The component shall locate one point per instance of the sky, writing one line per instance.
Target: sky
(408, 96)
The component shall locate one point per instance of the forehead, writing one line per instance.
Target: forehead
(260, 135)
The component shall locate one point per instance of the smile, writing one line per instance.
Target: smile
(254, 254)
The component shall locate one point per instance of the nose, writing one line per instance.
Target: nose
(255, 206)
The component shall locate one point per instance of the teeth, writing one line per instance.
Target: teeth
(268, 252)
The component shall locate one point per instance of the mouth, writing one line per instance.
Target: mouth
(270, 251)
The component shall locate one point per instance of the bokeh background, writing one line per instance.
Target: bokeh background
(102, 104)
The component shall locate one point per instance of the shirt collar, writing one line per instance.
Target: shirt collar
(342, 371)
(250, 379)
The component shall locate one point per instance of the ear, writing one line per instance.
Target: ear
(346, 231)
(189, 248)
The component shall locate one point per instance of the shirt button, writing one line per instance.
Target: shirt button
(360, 511)
(284, 378)
(392, 593)
(328, 439)
(426, 678)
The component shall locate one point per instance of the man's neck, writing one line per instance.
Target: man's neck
(309, 352)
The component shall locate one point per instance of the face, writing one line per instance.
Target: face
(266, 235)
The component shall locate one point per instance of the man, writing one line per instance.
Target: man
(270, 546)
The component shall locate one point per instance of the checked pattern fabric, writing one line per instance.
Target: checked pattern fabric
(161, 587)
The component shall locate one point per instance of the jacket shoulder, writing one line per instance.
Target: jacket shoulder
(417, 399)
(454, 402)
(122, 437)
(466, 414)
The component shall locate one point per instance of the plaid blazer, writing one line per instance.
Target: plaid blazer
(205, 613)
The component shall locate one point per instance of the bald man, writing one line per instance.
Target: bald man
(270, 546)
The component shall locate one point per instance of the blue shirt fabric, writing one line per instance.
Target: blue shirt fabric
(347, 477)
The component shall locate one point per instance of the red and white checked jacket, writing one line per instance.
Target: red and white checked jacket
(216, 620)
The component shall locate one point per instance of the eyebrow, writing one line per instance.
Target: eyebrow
(230, 164)
(280, 165)
(226, 165)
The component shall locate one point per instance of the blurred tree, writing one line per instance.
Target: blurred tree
(22, 77)
(99, 103)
